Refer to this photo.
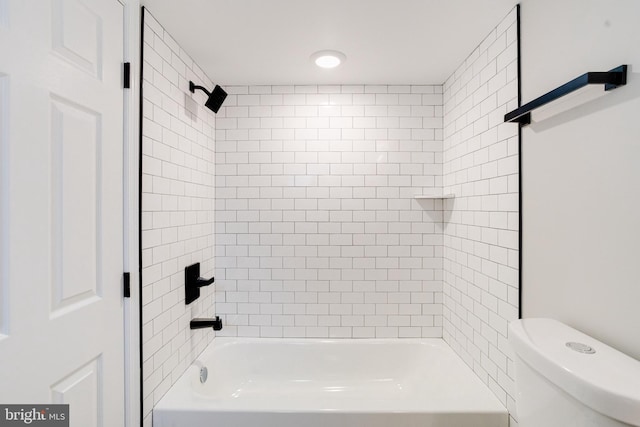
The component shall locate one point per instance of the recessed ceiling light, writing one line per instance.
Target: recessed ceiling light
(328, 58)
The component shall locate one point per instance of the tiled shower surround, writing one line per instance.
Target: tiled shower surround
(318, 233)
(481, 228)
(177, 211)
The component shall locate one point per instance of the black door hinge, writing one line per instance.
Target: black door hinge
(127, 285)
(127, 75)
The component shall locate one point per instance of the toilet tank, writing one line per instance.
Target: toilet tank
(565, 378)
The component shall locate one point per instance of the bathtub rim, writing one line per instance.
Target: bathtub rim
(182, 387)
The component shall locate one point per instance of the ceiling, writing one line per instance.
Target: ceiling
(385, 41)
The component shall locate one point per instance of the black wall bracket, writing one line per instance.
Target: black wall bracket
(611, 80)
(193, 282)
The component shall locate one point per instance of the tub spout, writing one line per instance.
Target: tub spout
(199, 323)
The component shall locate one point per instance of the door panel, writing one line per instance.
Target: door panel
(76, 196)
(82, 389)
(61, 139)
(77, 35)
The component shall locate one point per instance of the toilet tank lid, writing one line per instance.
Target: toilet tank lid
(607, 381)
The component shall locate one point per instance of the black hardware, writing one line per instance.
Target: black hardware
(193, 282)
(126, 280)
(216, 97)
(518, 41)
(141, 337)
(199, 323)
(127, 75)
(611, 80)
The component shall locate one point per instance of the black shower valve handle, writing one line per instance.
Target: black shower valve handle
(193, 282)
(201, 281)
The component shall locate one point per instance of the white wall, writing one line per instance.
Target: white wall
(317, 230)
(581, 170)
(481, 223)
(178, 167)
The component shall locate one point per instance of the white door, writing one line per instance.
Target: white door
(61, 139)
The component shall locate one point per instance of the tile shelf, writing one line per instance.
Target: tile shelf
(431, 196)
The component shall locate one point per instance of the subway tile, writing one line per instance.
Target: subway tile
(479, 239)
(178, 174)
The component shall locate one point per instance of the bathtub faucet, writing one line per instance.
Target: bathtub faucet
(200, 323)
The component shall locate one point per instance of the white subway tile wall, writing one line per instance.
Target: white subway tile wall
(481, 223)
(178, 192)
(318, 233)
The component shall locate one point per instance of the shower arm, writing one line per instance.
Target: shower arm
(193, 87)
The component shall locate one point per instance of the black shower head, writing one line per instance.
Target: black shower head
(216, 97)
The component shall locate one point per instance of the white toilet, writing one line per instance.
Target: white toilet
(565, 378)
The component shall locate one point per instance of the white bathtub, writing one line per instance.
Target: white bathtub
(338, 383)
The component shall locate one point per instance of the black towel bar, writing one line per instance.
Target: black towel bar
(611, 80)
